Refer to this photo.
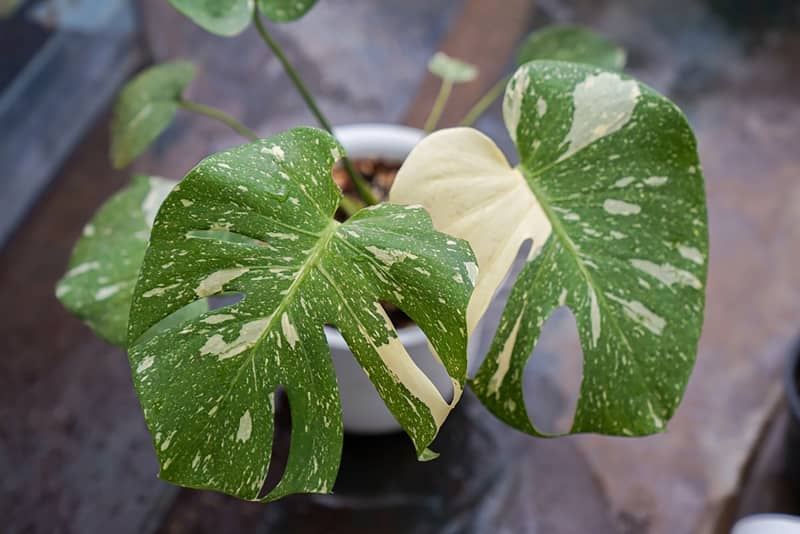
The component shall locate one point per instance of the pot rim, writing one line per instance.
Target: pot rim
(373, 139)
(782, 521)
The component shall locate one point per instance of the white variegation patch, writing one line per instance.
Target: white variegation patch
(504, 360)
(245, 427)
(656, 181)
(83, 268)
(640, 314)
(603, 104)
(512, 102)
(249, 333)
(390, 257)
(620, 207)
(159, 189)
(667, 274)
(463, 180)
(691, 254)
(594, 316)
(289, 331)
(213, 283)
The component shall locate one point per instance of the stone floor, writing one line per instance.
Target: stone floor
(72, 441)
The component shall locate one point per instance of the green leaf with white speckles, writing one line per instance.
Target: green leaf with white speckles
(258, 220)
(231, 17)
(98, 287)
(285, 10)
(145, 108)
(572, 43)
(451, 69)
(221, 17)
(611, 194)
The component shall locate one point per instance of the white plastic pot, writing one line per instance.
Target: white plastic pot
(768, 524)
(364, 411)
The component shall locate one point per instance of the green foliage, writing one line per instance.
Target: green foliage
(231, 17)
(284, 10)
(98, 287)
(258, 220)
(574, 44)
(615, 170)
(145, 109)
(609, 189)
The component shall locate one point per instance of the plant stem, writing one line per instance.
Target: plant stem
(350, 206)
(362, 186)
(290, 70)
(438, 106)
(483, 104)
(221, 116)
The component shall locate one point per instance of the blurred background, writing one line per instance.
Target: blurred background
(75, 456)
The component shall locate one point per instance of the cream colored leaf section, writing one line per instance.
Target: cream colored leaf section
(396, 358)
(466, 184)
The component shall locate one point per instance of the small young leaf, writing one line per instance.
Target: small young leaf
(231, 17)
(611, 194)
(258, 220)
(98, 287)
(145, 108)
(222, 17)
(284, 10)
(572, 43)
(451, 69)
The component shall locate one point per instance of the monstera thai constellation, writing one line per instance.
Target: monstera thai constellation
(608, 189)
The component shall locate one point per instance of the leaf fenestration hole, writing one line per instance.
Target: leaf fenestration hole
(176, 318)
(481, 338)
(225, 236)
(419, 348)
(553, 374)
(224, 300)
(281, 441)
(190, 311)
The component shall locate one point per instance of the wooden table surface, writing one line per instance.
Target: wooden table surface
(74, 452)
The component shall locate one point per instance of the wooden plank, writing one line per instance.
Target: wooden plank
(486, 35)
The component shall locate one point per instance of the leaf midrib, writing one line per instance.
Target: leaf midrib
(308, 266)
(561, 233)
(563, 236)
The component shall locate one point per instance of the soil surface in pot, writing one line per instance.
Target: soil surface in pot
(380, 174)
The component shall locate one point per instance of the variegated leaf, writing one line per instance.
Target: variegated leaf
(284, 10)
(145, 108)
(222, 17)
(258, 220)
(231, 17)
(98, 287)
(610, 191)
(572, 43)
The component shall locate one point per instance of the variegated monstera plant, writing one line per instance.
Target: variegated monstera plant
(608, 189)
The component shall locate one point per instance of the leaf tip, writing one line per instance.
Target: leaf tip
(427, 455)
